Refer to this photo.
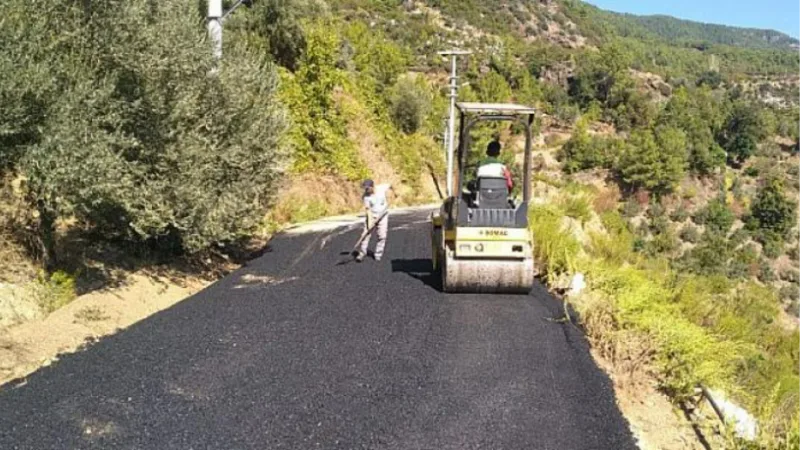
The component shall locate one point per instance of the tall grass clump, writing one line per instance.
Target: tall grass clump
(683, 352)
(554, 246)
(578, 207)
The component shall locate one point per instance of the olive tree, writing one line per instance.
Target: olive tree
(133, 131)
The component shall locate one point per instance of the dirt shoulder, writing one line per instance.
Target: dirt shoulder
(28, 346)
(654, 421)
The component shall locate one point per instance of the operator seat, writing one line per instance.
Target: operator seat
(492, 193)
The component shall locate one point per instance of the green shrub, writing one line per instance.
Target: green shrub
(130, 133)
(772, 245)
(699, 217)
(794, 252)
(318, 136)
(751, 171)
(689, 233)
(663, 242)
(617, 243)
(53, 291)
(739, 237)
(765, 272)
(614, 223)
(656, 211)
(744, 128)
(744, 263)
(631, 208)
(584, 151)
(577, 207)
(680, 214)
(554, 247)
(710, 78)
(279, 24)
(493, 88)
(772, 211)
(790, 275)
(710, 256)
(792, 308)
(718, 217)
(659, 225)
(409, 104)
(685, 353)
(790, 292)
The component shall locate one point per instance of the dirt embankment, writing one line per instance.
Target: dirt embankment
(27, 346)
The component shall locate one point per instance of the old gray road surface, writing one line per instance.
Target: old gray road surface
(327, 356)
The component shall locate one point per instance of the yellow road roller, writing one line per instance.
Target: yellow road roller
(480, 238)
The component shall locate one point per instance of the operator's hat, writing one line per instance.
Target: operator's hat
(367, 184)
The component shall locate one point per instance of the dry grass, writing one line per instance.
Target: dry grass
(91, 314)
(630, 352)
(607, 199)
(309, 197)
(15, 236)
(642, 197)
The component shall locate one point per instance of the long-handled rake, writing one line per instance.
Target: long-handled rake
(366, 233)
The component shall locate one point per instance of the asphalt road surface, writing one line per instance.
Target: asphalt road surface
(298, 351)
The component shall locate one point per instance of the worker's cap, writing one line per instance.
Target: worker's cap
(367, 184)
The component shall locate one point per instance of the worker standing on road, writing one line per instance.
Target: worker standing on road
(492, 167)
(376, 205)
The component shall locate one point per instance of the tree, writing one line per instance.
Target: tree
(772, 211)
(409, 103)
(584, 151)
(718, 218)
(710, 78)
(601, 77)
(379, 59)
(695, 113)
(318, 136)
(654, 161)
(135, 138)
(492, 87)
(279, 24)
(745, 127)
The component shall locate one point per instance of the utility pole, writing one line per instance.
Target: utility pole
(445, 124)
(215, 18)
(215, 26)
(451, 123)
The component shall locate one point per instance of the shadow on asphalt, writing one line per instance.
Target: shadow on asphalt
(421, 269)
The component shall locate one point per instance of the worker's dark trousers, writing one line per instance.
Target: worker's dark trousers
(381, 230)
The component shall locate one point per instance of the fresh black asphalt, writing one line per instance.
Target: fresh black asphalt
(327, 356)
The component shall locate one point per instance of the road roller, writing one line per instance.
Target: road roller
(480, 238)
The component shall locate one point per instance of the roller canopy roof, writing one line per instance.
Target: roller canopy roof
(495, 108)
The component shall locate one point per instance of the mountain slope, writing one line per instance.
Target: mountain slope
(681, 31)
(671, 28)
